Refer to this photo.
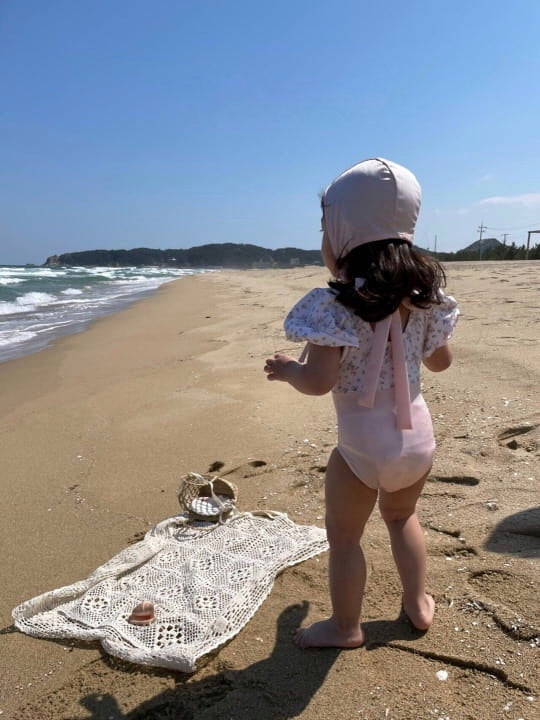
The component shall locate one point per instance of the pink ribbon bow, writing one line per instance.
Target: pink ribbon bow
(390, 327)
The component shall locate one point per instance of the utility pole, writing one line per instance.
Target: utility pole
(481, 229)
(435, 245)
(531, 232)
(505, 235)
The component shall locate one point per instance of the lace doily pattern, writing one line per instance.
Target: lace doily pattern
(206, 581)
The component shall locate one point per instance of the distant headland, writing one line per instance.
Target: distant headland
(216, 255)
(235, 255)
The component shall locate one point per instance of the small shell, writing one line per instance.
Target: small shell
(142, 614)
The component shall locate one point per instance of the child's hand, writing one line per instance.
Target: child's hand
(279, 367)
(316, 376)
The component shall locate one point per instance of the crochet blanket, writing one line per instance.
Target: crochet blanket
(206, 581)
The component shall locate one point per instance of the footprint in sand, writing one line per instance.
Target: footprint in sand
(491, 582)
(248, 469)
(454, 479)
(136, 537)
(510, 598)
(218, 465)
(459, 552)
(521, 437)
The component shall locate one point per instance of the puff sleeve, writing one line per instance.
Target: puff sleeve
(441, 321)
(319, 319)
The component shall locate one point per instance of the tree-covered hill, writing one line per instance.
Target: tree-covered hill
(233, 255)
(227, 255)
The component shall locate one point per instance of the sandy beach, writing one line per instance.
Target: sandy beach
(97, 430)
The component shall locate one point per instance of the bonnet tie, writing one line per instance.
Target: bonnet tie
(390, 327)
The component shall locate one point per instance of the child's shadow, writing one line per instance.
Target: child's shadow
(276, 688)
(383, 632)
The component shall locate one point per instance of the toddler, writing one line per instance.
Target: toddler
(367, 335)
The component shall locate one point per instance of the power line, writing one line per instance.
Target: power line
(522, 227)
(481, 229)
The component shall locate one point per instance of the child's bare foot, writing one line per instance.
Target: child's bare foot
(420, 613)
(326, 634)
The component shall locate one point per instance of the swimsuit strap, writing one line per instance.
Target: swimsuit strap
(389, 327)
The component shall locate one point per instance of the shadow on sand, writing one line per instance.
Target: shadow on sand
(517, 534)
(276, 688)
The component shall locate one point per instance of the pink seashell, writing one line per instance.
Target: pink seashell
(142, 614)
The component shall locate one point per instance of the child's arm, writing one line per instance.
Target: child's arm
(316, 376)
(439, 360)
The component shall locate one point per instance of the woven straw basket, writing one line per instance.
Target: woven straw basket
(207, 497)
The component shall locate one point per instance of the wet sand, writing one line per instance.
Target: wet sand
(97, 430)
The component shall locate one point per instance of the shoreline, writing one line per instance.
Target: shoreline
(37, 344)
(97, 429)
(51, 306)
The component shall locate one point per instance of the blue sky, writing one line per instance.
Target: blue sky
(174, 124)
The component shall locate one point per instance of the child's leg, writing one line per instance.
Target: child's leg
(398, 510)
(348, 506)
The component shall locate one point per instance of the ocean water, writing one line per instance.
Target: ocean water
(38, 304)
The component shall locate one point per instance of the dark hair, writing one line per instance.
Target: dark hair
(394, 270)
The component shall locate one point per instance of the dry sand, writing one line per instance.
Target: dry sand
(96, 431)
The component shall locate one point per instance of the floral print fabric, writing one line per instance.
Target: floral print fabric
(319, 319)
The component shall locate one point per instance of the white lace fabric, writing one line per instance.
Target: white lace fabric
(206, 581)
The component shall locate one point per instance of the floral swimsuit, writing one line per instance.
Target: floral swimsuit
(385, 433)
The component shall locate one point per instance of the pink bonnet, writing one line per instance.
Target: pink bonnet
(375, 199)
